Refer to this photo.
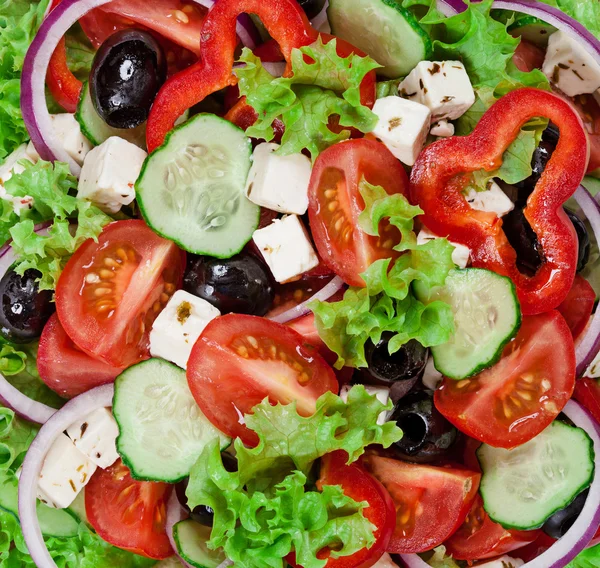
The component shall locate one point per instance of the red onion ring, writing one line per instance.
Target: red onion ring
(33, 97)
(302, 309)
(175, 513)
(321, 18)
(583, 529)
(74, 410)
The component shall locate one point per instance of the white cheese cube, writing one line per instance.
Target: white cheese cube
(382, 394)
(278, 182)
(65, 472)
(460, 255)
(502, 562)
(402, 127)
(10, 165)
(109, 174)
(179, 325)
(569, 66)
(95, 436)
(385, 562)
(593, 371)
(431, 378)
(442, 86)
(39, 494)
(492, 200)
(68, 131)
(443, 129)
(286, 248)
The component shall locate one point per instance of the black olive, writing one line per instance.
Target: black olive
(427, 435)
(383, 368)
(241, 284)
(559, 523)
(311, 7)
(202, 514)
(24, 309)
(521, 237)
(127, 72)
(583, 254)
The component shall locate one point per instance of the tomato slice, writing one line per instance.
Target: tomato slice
(587, 393)
(110, 292)
(431, 502)
(513, 401)
(66, 369)
(335, 204)
(127, 513)
(479, 537)
(239, 360)
(578, 306)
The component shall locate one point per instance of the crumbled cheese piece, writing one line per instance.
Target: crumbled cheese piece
(443, 129)
(95, 436)
(492, 200)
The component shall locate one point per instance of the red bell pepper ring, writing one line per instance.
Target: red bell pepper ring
(442, 172)
(284, 20)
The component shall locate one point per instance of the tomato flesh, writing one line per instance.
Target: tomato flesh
(587, 393)
(335, 204)
(431, 502)
(67, 370)
(578, 306)
(513, 401)
(240, 360)
(110, 292)
(127, 513)
(479, 537)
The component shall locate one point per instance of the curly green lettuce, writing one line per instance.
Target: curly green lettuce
(387, 304)
(323, 85)
(51, 186)
(589, 558)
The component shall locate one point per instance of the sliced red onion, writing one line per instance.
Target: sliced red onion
(589, 345)
(175, 513)
(33, 95)
(75, 410)
(321, 19)
(583, 529)
(302, 309)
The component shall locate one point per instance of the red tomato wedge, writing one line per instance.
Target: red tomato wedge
(587, 392)
(110, 292)
(431, 502)
(335, 204)
(513, 401)
(578, 306)
(127, 513)
(66, 369)
(240, 360)
(479, 537)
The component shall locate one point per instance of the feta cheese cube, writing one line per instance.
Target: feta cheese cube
(569, 66)
(286, 248)
(443, 129)
(68, 131)
(460, 255)
(442, 86)
(382, 394)
(10, 165)
(431, 378)
(39, 494)
(179, 325)
(95, 436)
(502, 562)
(109, 174)
(492, 200)
(65, 472)
(402, 127)
(385, 562)
(278, 182)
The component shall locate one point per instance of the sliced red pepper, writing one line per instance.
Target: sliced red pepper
(442, 172)
(285, 21)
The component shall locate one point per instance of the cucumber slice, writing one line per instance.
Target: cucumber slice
(486, 317)
(97, 131)
(190, 540)
(532, 29)
(523, 487)
(394, 38)
(161, 429)
(191, 189)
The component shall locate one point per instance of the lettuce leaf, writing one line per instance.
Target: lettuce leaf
(50, 185)
(19, 21)
(589, 558)
(586, 12)
(323, 85)
(387, 304)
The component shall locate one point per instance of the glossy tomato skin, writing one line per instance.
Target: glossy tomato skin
(127, 513)
(431, 502)
(67, 370)
(587, 393)
(513, 401)
(335, 204)
(578, 306)
(240, 360)
(110, 292)
(479, 537)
